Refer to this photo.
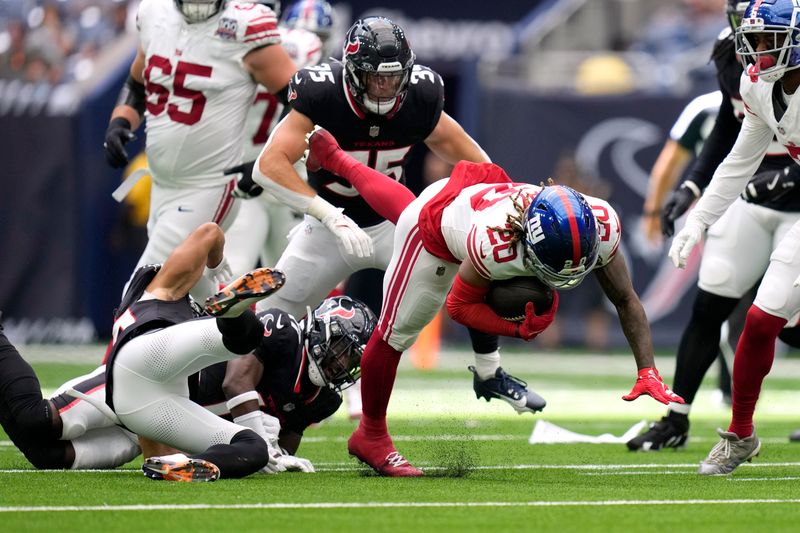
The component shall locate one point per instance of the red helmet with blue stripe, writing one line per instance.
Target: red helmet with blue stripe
(778, 21)
(561, 237)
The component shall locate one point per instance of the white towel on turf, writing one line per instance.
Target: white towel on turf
(548, 433)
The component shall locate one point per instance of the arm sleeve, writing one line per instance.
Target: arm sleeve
(466, 305)
(733, 174)
(717, 145)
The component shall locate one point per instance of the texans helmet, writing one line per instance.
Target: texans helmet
(377, 63)
(310, 15)
(198, 10)
(336, 333)
(561, 240)
(778, 21)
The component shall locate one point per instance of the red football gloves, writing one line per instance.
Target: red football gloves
(650, 383)
(534, 324)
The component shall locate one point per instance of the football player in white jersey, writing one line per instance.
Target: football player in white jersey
(450, 242)
(259, 232)
(768, 39)
(194, 79)
(378, 103)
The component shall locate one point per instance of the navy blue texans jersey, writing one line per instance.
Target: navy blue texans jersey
(285, 389)
(380, 142)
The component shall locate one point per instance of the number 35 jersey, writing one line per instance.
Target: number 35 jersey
(380, 142)
(197, 89)
(475, 225)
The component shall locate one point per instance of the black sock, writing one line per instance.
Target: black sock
(246, 454)
(483, 342)
(700, 342)
(24, 414)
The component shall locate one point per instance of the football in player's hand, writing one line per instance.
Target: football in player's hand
(509, 297)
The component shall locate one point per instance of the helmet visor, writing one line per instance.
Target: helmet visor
(383, 88)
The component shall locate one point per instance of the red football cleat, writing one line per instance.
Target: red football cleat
(380, 455)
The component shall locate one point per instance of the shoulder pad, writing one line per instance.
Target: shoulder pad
(253, 24)
(609, 226)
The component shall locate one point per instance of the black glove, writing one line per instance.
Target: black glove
(771, 185)
(245, 186)
(118, 135)
(677, 204)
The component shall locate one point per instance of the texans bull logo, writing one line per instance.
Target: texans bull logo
(337, 311)
(352, 47)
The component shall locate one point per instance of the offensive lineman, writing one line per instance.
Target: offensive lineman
(377, 103)
(193, 79)
(460, 234)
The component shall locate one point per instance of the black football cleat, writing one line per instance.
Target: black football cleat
(672, 431)
(509, 389)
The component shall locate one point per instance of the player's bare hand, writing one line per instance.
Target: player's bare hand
(650, 383)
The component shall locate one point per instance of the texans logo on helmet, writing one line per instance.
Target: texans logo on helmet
(335, 311)
(352, 47)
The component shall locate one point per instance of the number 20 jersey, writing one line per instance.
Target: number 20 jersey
(475, 225)
(197, 89)
(380, 142)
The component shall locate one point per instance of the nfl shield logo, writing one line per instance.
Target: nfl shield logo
(374, 131)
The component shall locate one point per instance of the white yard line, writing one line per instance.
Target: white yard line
(381, 505)
(590, 469)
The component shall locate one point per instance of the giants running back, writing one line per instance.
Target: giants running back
(475, 225)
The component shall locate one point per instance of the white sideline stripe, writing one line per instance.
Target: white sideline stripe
(466, 437)
(352, 467)
(381, 505)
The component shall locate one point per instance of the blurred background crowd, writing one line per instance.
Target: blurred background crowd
(584, 91)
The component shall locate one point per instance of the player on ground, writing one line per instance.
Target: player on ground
(377, 103)
(158, 342)
(769, 207)
(768, 40)
(460, 234)
(193, 79)
(293, 381)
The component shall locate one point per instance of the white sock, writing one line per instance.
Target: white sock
(680, 408)
(105, 448)
(486, 364)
